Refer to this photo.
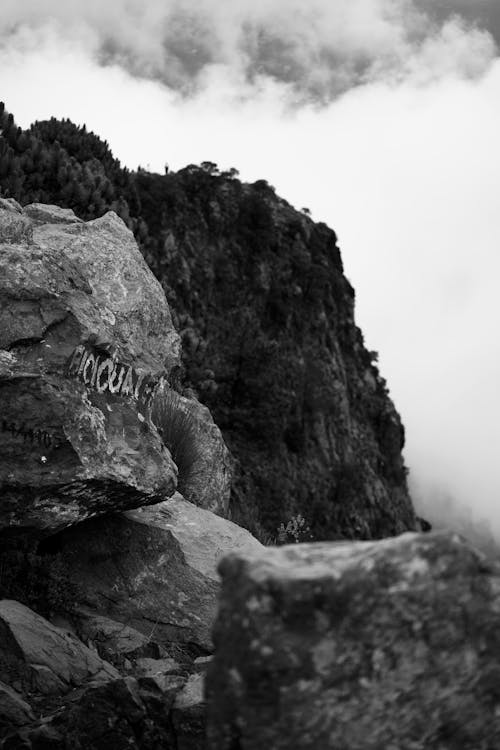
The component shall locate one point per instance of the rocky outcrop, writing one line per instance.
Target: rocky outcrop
(154, 571)
(85, 336)
(392, 644)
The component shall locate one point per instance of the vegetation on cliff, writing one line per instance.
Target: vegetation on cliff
(266, 317)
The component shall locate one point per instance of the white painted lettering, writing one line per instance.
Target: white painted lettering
(100, 383)
(127, 388)
(89, 364)
(116, 384)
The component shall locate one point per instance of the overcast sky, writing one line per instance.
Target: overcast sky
(380, 116)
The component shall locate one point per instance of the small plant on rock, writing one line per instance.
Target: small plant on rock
(296, 531)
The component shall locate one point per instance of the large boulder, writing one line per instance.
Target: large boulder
(153, 569)
(85, 337)
(368, 645)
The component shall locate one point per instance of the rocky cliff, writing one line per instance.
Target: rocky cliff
(266, 318)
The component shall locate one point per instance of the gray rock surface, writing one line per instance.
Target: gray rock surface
(189, 714)
(204, 538)
(118, 715)
(9, 204)
(202, 663)
(114, 641)
(42, 213)
(369, 645)
(111, 715)
(157, 667)
(154, 569)
(14, 227)
(85, 336)
(37, 657)
(13, 709)
(83, 703)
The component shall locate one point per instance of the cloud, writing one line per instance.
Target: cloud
(318, 50)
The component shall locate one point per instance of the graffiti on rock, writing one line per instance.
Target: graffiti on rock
(33, 435)
(104, 373)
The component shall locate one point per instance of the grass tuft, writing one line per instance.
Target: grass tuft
(177, 426)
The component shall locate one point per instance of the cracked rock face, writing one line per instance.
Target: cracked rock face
(85, 337)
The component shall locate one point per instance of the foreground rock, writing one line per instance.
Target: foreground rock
(393, 644)
(85, 335)
(154, 570)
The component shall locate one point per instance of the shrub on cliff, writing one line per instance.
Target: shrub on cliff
(295, 531)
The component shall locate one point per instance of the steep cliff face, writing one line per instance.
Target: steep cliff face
(266, 318)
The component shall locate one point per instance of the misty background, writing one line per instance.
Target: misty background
(380, 116)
